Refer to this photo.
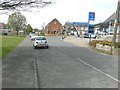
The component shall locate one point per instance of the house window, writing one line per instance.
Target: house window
(82, 28)
(55, 22)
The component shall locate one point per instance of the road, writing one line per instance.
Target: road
(63, 65)
(67, 66)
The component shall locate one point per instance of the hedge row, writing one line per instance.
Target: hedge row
(41, 34)
(103, 42)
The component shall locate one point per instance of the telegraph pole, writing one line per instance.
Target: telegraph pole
(115, 25)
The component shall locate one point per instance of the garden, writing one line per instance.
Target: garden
(105, 46)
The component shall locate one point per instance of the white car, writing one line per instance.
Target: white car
(33, 35)
(40, 41)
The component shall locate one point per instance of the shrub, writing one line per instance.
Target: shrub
(41, 34)
(94, 42)
(106, 42)
(117, 45)
(103, 42)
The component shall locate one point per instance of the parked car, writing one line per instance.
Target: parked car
(88, 35)
(40, 41)
(33, 35)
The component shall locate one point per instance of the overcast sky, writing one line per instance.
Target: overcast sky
(70, 10)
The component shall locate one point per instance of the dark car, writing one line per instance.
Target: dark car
(88, 35)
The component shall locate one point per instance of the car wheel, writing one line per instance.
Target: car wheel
(95, 37)
(47, 47)
(35, 47)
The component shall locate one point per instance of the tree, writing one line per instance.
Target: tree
(29, 28)
(17, 21)
(22, 5)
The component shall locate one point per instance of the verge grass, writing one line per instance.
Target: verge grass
(8, 44)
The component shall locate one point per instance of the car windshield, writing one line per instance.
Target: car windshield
(34, 34)
(40, 38)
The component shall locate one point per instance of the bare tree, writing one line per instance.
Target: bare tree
(22, 5)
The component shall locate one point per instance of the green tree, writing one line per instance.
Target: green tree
(17, 21)
(29, 28)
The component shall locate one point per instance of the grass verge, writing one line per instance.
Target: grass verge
(8, 44)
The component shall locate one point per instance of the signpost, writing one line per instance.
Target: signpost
(91, 19)
(92, 16)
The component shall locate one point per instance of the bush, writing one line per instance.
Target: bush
(94, 42)
(5, 34)
(41, 34)
(103, 42)
(117, 45)
(106, 42)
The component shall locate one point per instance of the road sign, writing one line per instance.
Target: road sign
(91, 28)
(92, 16)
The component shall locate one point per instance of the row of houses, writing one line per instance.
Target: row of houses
(55, 27)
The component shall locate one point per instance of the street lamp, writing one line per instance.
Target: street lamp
(115, 25)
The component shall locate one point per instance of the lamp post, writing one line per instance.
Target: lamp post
(115, 25)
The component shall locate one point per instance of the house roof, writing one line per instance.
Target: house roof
(111, 18)
(77, 23)
(53, 20)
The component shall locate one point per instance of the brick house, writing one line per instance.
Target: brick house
(54, 27)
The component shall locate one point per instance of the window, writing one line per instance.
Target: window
(55, 22)
(41, 38)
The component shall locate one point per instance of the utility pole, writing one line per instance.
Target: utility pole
(115, 25)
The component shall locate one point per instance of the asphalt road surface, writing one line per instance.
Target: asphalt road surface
(63, 65)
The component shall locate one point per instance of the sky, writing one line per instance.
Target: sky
(69, 10)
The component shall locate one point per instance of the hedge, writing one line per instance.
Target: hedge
(103, 42)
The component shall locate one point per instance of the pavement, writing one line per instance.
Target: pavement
(84, 42)
(18, 67)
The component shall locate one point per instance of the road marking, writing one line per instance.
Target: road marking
(98, 70)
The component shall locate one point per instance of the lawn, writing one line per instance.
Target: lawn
(8, 44)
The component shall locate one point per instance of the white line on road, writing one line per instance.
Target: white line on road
(98, 70)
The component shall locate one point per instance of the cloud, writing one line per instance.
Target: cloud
(72, 10)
